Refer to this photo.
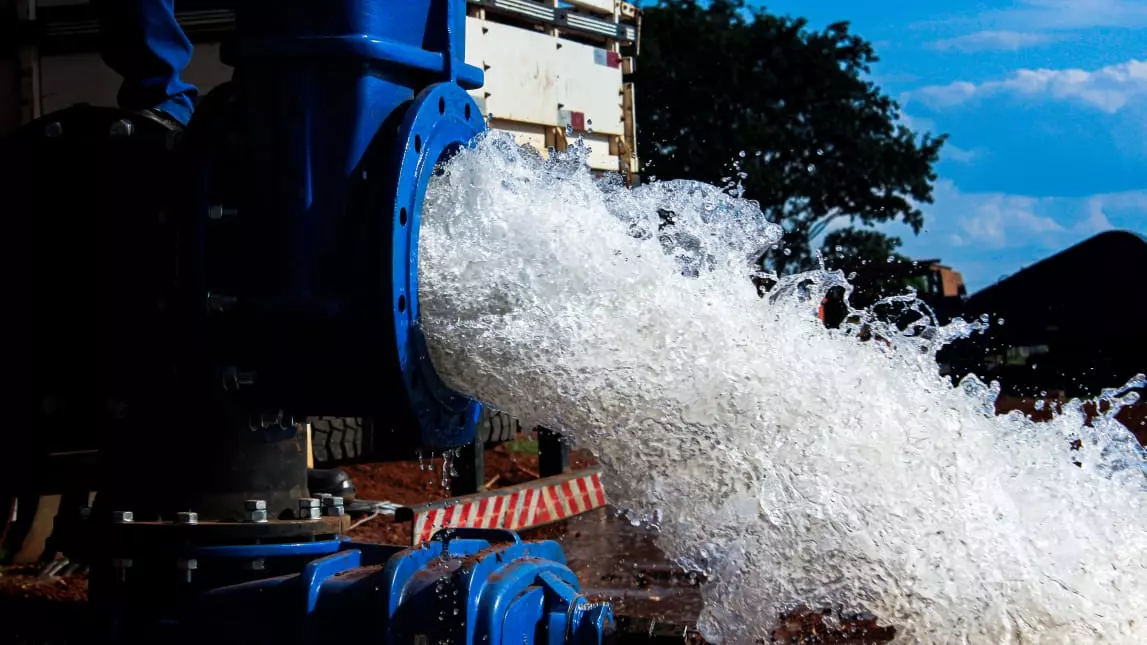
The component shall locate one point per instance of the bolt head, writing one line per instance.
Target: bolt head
(122, 128)
(308, 502)
(256, 565)
(190, 564)
(258, 516)
(54, 129)
(334, 511)
(121, 563)
(331, 500)
(310, 513)
(186, 517)
(123, 516)
(256, 505)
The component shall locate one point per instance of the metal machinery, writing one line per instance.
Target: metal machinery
(549, 65)
(187, 298)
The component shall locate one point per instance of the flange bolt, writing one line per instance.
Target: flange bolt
(256, 511)
(186, 517)
(333, 506)
(122, 517)
(309, 509)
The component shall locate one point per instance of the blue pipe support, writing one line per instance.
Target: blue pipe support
(343, 108)
(462, 587)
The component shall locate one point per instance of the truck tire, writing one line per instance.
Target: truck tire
(496, 427)
(336, 439)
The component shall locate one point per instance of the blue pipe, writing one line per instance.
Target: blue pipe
(343, 108)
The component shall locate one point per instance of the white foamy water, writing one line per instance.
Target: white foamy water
(796, 465)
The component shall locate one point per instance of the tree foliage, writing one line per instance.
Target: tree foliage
(823, 146)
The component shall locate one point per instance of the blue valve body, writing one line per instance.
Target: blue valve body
(340, 112)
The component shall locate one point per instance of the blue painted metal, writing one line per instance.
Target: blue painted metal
(462, 590)
(252, 551)
(343, 109)
(317, 571)
(307, 180)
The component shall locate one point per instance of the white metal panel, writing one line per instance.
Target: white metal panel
(84, 78)
(587, 86)
(474, 41)
(597, 6)
(521, 72)
(599, 157)
(524, 133)
(535, 135)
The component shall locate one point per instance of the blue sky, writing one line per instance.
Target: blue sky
(1045, 102)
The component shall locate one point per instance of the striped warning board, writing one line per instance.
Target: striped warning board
(515, 507)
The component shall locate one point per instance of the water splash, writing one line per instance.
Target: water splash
(795, 465)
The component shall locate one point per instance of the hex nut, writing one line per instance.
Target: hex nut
(259, 516)
(331, 500)
(258, 564)
(186, 517)
(53, 129)
(121, 563)
(256, 505)
(308, 502)
(121, 517)
(310, 513)
(334, 511)
(190, 564)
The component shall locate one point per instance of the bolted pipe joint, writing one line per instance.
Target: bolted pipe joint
(310, 509)
(333, 506)
(256, 511)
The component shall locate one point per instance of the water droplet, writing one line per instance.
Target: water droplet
(787, 251)
(741, 154)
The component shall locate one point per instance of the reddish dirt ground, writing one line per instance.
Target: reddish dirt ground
(613, 560)
(414, 482)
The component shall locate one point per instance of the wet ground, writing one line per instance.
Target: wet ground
(655, 601)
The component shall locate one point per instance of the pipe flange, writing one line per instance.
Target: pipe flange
(441, 120)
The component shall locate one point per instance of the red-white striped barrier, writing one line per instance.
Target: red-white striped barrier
(515, 507)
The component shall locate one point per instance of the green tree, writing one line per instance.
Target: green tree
(822, 145)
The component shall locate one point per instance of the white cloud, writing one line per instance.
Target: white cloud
(994, 41)
(1002, 221)
(1072, 14)
(988, 235)
(958, 154)
(1109, 89)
